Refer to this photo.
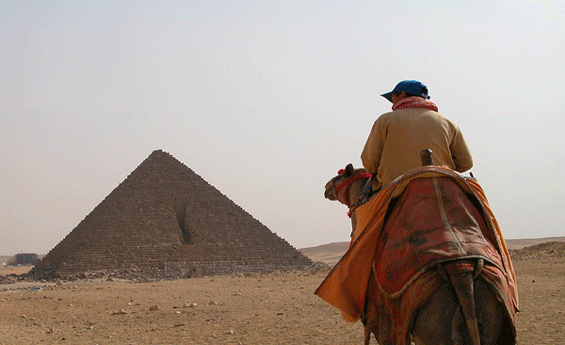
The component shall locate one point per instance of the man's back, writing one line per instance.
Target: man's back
(396, 139)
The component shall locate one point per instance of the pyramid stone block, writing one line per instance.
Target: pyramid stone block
(165, 219)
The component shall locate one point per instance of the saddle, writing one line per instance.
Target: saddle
(433, 221)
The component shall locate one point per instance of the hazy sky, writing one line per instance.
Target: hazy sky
(266, 100)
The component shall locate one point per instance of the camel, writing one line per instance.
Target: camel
(462, 310)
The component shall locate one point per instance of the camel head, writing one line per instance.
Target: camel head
(343, 179)
(342, 175)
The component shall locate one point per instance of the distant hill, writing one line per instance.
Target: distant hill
(519, 244)
(331, 253)
(328, 253)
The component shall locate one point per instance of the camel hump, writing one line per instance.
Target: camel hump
(426, 157)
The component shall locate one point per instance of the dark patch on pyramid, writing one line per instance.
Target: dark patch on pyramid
(165, 219)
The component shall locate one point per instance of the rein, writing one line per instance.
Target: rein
(345, 185)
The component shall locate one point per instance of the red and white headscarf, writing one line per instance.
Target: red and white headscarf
(414, 102)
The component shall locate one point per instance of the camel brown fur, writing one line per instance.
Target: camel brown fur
(463, 310)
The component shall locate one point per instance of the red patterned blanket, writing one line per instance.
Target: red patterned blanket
(432, 221)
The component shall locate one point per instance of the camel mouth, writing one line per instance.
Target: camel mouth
(329, 194)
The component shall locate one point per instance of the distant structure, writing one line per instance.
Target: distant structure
(166, 220)
(26, 259)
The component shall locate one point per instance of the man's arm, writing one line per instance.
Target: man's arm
(460, 152)
(371, 155)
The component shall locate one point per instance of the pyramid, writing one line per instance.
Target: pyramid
(166, 220)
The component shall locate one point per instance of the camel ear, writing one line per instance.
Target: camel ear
(349, 170)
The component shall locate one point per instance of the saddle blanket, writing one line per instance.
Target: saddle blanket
(433, 221)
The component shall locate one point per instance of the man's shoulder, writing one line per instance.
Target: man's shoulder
(414, 115)
(384, 119)
(386, 115)
(408, 112)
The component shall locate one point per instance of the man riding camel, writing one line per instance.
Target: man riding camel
(396, 139)
(421, 267)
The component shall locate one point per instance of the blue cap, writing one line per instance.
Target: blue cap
(412, 87)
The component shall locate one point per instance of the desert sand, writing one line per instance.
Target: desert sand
(275, 308)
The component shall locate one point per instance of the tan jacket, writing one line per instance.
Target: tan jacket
(396, 139)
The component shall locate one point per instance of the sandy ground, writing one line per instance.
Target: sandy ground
(277, 308)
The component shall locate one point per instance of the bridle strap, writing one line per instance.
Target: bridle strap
(345, 185)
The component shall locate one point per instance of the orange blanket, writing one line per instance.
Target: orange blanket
(345, 287)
